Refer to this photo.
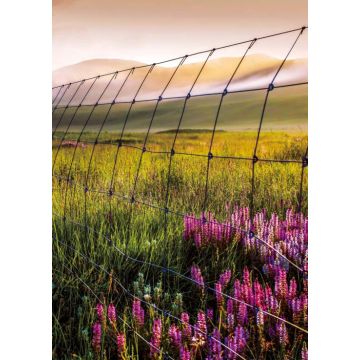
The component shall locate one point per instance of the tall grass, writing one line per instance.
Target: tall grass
(151, 237)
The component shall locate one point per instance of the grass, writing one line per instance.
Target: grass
(276, 189)
(286, 110)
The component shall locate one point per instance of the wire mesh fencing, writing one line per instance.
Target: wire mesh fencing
(184, 139)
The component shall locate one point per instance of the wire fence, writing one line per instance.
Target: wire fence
(76, 114)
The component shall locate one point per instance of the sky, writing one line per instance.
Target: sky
(154, 30)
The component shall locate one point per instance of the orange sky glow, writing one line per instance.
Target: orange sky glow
(155, 30)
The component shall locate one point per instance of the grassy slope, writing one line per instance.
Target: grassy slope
(286, 110)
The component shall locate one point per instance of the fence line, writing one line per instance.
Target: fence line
(131, 198)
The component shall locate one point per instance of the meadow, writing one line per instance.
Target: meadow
(109, 223)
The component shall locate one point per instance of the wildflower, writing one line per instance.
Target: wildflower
(225, 277)
(175, 335)
(242, 314)
(219, 295)
(240, 338)
(292, 289)
(96, 339)
(246, 277)
(196, 276)
(184, 353)
(200, 327)
(100, 311)
(260, 318)
(282, 334)
(156, 337)
(215, 345)
(120, 343)
(112, 314)
(138, 312)
(186, 328)
(258, 294)
(232, 344)
(210, 314)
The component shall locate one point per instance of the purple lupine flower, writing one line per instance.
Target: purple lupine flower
(100, 312)
(230, 313)
(224, 278)
(198, 240)
(281, 287)
(258, 294)
(138, 312)
(186, 328)
(197, 276)
(96, 338)
(175, 335)
(156, 337)
(219, 295)
(246, 277)
(232, 344)
(215, 345)
(292, 289)
(120, 343)
(200, 326)
(240, 338)
(237, 290)
(260, 318)
(210, 314)
(230, 306)
(282, 334)
(112, 314)
(184, 353)
(242, 314)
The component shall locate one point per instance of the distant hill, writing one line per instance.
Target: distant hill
(255, 71)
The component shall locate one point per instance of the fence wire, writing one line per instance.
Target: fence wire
(61, 92)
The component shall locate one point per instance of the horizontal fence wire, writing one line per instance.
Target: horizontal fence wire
(182, 97)
(59, 93)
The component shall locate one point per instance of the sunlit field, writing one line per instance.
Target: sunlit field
(122, 217)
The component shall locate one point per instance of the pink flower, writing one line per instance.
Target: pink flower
(200, 327)
(219, 295)
(96, 339)
(186, 328)
(175, 335)
(138, 312)
(184, 353)
(156, 337)
(215, 345)
(282, 334)
(260, 318)
(210, 314)
(120, 343)
(242, 314)
(196, 276)
(225, 278)
(112, 314)
(100, 311)
(292, 289)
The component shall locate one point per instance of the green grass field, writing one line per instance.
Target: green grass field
(92, 230)
(286, 110)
